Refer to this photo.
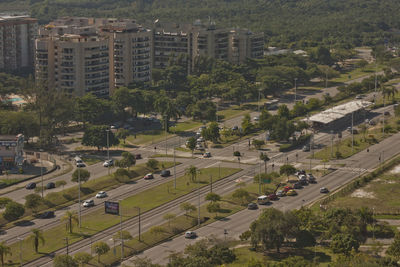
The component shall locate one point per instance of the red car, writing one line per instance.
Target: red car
(287, 188)
(148, 176)
(272, 197)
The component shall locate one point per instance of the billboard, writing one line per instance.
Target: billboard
(111, 207)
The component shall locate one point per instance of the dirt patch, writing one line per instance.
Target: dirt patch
(396, 169)
(363, 194)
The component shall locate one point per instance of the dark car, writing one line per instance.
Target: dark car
(311, 179)
(138, 156)
(252, 206)
(165, 173)
(272, 197)
(323, 190)
(297, 185)
(47, 215)
(50, 185)
(30, 186)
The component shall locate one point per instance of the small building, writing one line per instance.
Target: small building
(11, 151)
(339, 116)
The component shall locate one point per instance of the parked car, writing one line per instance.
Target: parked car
(371, 122)
(235, 128)
(190, 234)
(47, 215)
(252, 206)
(272, 197)
(256, 118)
(297, 185)
(263, 200)
(148, 176)
(108, 163)
(112, 127)
(280, 193)
(303, 179)
(311, 179)
(287, 188)
(30, 186)
(207, 155)
(200, 140)
(300, 172)
(80, 165)
(386, 113)
(323, 190)
(291, 192)
(359, 96)
(306, 148)
(138, 156)
(50, 185)
(101, 194)
(165, 173)
(88, 203)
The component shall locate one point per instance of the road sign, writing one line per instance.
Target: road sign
(111, 207)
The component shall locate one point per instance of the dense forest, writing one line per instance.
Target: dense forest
(290, 23)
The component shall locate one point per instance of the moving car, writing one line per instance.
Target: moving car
(108, 163)
(88, 203)
(148, 176)
(47, 215)
(311, 179)
(80, 165)
(190, 234)
(207, 155)
(306, 148)
(323, 190)
(50, 185)
(252, 206)
(165, 173)
(101, 194)
(30, 186)
(291, 192)
(263, 200)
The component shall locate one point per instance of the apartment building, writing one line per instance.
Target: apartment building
(17, 39)
(75, 63)
(245, 44)
(130, 52)
(11, 151)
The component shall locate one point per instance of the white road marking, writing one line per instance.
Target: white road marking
(216, 163)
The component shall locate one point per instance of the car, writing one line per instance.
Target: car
(112, 127)
(148, 176)
(256, 118)
(165, 173)
(138, 156)
(235, 128)
(311, 179)
(323, 190)
(371, 122)
(287, 188)
(252, 206)
(80, 165)
(303, 179)
(30, 186)
(101, 194)
(50, 185)
(199, 147)
(190, 234)
(297, 185)
(300, 172)
(108, 163)
(200, 140)
(88, 203)
(306, 148)
(202, 128)
(47, 215)
(207, 155)
(359, 97)
(386, 113)
(272, 197)
(280, 193)
(291, 192)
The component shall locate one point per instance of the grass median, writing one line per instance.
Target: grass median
(97, 221)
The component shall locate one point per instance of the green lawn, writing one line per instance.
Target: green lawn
(97, 221)
(90, 160)
(231, 112)
(357, 73)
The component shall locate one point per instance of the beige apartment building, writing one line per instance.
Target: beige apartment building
(245, 44)
(130, 52)
(17, 42)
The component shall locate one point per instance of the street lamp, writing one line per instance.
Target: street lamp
(79, 197)
(120, 227)
(259, 96)
(108, 151)
(295, 90)
(20, 250)
(114, 248)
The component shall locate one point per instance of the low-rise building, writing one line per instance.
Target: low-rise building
(11, 151)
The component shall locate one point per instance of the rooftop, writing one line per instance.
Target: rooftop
(338, 112)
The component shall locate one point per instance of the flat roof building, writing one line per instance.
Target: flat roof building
(11, 151)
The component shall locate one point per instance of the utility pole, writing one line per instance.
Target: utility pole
(352, 133)
(259, 180)
(295, 90)
(108, 151)
(174, 171)
(20, 250)
(41, 172)
(211, 181)
(332, 136)
(120, 227)
(79, 197)
(166, 147)
(198, 204)
(66, 240)
(139, 225)
(259, 96)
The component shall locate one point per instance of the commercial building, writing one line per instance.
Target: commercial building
(17, 39)
(11, 151)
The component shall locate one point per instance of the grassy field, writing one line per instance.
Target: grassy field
(90, 160)
(97, 220)
(357, 73)
(231, 112)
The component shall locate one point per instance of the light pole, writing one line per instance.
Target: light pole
(108, 151)
(20, 250)
(332, 136)
(259, 181)
(352, 133)
(79, 197)
(295, 90)
(259, 96)
(198, 204)
(114, 248)
(139, 224)
(174, 171)
(120, 229)
(41, 172)
(166, 147)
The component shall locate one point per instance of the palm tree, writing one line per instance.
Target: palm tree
(70, 217)
(4, 251)
(264, 157)
(192, 172)
(389, 91)
(37, 235)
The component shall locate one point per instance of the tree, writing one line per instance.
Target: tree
(127, 160)
(13, 211)
(213, 197)
(304, 238)
(125, 235)
(152, 164)
(70, 217)
(247, 126)
(123, 134)
(32, 202)
(96, 135)
(37, 238)
(264, 157)
(241, 194)
(167, 108)
(257, 143)
(287, 169)
(4, 251)
(64, 261)
(83, 173)
(4, 201)
(157, 230)
(211, 132)
(192, 172)
(100, 248)
(203, 110)
(187, 207)
(213, 207)
(191, 144)
(61, 183)
(397, 111)
(283, 111)
(169, 217)
(143, 262)
(82, 258)
(121, 99)
(344, 243)
(394, 248)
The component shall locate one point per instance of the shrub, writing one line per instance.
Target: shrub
(121, 172)
(152, 164)
(236, 154)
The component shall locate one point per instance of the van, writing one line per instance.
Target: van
(262, 200)
(78, 160)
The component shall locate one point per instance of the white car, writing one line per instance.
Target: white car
(101, 194)
(108, 163)
(88, 203)
(256, 118)
(190, 234)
